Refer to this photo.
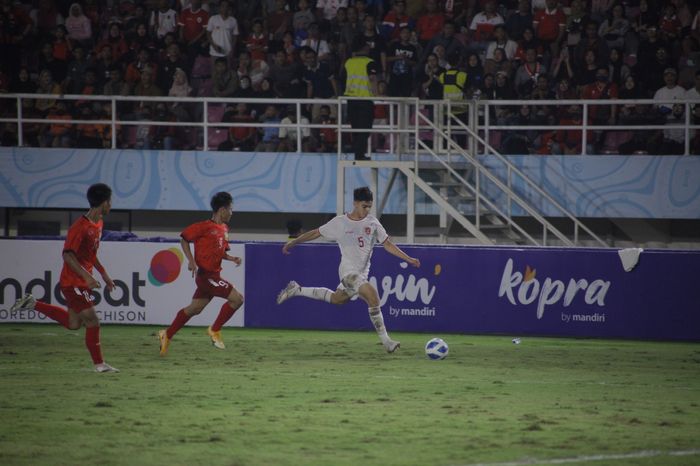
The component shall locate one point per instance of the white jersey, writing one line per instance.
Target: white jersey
(356, 238)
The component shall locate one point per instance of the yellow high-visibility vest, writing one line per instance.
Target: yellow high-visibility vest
(453, 82)
(357, 83)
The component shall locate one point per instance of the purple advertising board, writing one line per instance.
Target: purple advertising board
(491, 290)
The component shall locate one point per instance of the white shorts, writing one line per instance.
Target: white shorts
(351, 284)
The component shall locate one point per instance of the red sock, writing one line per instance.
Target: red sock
(56, 313)
(224, 315)
(92, 341)
(180, 320)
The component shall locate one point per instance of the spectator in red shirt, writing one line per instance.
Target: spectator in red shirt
(256, 43)
(394, 20)
(670, 25)
(192, 24)
(115, 39)
(550, 25)
(62, 45)
(601, 89)
(430, 22)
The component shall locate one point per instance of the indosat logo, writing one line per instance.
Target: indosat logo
(165, 267)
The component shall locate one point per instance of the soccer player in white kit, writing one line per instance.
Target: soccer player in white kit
(356, 234)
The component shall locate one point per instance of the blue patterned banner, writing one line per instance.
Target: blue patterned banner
(604, 186)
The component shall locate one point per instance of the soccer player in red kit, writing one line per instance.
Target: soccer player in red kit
(79, 257)
(210, 240)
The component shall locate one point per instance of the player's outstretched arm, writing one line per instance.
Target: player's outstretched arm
(308, 236)
(191, 264)
(394, 250)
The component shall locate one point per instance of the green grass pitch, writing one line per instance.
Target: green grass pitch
(282, 397)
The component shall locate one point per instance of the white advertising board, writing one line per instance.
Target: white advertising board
(152, 282)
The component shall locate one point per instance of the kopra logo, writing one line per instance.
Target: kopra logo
(165, 266)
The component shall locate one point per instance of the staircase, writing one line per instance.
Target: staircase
(473, 200)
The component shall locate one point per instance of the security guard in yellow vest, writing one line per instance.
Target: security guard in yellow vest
(361, 81)
(454, 83)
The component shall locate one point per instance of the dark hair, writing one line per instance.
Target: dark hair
(221, 199)
(294, 227)
(358, 44)
(98, 193)
(363, 194)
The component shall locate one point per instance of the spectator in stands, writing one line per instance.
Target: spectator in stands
(446, 39)
(670, 91)
(279, 21)
(316, 43)
(586, 72)
(488, 87)
(90, 135)
(326, 10)
(519, 20)
(482, 26)
(116, 84)
(694, 94)
(269, 136)
(180, 88)
(503, 88)
(617, 69)
(136, 68)
(565, 90)
(615, 26)
(47, 61)
(430, 22)
(569, 141)
(75, 74)
(115, 39)
(688, 62)
(326, 138)
(240, 138)
(550, 25)
(266, 91)
(475, 72)
(654, 72)
(192, 24)
(146, 86)
(23, 84)
(501, 41)
(141, 41)
(167, 68)
(287, 76)
(498, 63)
(222, 32)
(561, 66)
(394, 20)
(79, 26)
(377, 45)
(519, 141)
(527, 74)
(646, 55)
(352, 28)
(46, 85)
(301, 20)
(224, 81)
(590, 41)
(528, 41)
(401, 59)
(58, 134)
(245, 89)
(256, 42)
(47, 18)
(321, 82)
(431, 88)
(600, 115)
(62, 45)
(288, 136)
(163, 20)
(600, 8)
(575, 23)
(669, 24)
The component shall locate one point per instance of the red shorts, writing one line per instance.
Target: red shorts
(77, 299)
(210, 284)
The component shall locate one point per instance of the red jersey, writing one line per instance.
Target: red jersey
(83, 239)
(192, 23)
(210, 243)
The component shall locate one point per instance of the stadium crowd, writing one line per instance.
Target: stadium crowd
(506, 49)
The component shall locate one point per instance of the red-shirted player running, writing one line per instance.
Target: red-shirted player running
(210, 240)
(79, 257)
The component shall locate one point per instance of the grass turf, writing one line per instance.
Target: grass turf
(280, 397)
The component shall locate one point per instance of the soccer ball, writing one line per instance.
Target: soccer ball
(436, 349)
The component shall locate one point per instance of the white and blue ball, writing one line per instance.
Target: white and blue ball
(436, 349)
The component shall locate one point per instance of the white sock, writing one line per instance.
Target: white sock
(319, 294)
(375, 315)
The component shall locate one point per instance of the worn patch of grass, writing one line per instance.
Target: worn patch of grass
(277, 397)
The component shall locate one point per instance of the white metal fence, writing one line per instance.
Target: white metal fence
(491, 119)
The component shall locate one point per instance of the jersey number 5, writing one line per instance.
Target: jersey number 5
(361, 241)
